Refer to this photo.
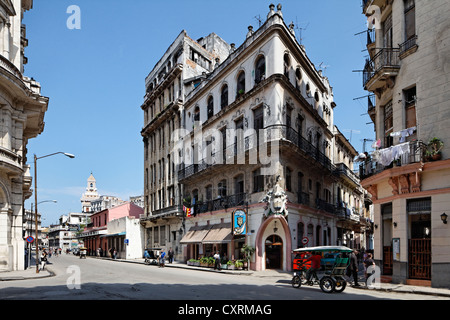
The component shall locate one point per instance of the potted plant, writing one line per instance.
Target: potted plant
(203, 262)
(436, 145)
(247, 251)
(239, 264)
(230, 265)
(211, 262)
(224, 265)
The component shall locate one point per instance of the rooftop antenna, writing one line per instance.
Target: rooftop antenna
(364, 143)
(323, 67)
(351, 133)
(258, 18)
(300, 30)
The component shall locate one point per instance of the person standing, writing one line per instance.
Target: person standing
(162, 257)
(354, 267)
(170, 253)
(217, 261)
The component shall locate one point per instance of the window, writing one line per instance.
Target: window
(222, 188)
(388, 125)
(410, 107)
(210, 107)
(288, 179)
(298, 78)
(240, 84)
(258, 181)
(287, 64)
(197, 114)
(208, 192)
(410, 19)
(260, 72)
(224, 97)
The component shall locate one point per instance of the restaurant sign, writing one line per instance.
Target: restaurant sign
(239, 221)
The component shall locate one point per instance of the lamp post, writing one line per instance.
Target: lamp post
(36, 236)
(36, 202)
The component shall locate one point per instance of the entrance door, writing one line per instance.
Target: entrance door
(274, 252)
(420, 247)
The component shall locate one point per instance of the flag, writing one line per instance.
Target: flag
(187, 211)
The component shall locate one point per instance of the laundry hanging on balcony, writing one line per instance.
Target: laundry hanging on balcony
(404, 133)
(386, 156)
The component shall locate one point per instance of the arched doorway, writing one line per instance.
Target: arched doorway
(274, 252)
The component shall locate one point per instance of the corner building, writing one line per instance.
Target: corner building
(407, 75)
(256, 133)
(22, 111)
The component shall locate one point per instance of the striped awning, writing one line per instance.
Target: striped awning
(220, 233)
(195, 235)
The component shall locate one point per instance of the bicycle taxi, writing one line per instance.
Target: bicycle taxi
(330, 277)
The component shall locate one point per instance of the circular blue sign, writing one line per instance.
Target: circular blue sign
(30, 239)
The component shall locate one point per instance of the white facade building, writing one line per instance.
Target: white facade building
(22, 110)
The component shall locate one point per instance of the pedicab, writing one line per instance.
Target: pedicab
(83, 252)
(151, 256)
(329, 279)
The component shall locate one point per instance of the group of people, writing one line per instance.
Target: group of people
(352, 270)
(162, 257)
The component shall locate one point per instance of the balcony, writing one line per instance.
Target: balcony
(416, 154)
(241, 151)
(383, 67)
(224, 203)
(408, 47)
(348, 175)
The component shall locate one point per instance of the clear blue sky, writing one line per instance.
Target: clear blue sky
(95, 76)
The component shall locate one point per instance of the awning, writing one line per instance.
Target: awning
(220, 233)
(195, 235)
(114, 234)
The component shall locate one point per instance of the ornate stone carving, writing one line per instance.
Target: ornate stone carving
(275, 200)
(393, 182)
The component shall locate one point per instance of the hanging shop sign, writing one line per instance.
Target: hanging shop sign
(239, 221)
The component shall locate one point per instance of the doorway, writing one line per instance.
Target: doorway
(274, 252)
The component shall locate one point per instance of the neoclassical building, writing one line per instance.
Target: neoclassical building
(22, 110)
(254, 145)
(407, 74)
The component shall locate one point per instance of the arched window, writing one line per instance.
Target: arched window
(210, 108)
(287, 64)
(260, 69)
(298, 78)
(240, 84)
(197, 114)
(224, 97)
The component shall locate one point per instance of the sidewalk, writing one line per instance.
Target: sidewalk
(30, 273)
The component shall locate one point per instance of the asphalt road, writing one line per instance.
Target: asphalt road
(96, 279)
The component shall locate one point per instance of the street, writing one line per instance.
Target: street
(96, 279)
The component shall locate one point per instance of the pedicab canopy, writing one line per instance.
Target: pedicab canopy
(325, 249)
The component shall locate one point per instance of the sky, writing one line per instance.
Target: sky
(95, 79)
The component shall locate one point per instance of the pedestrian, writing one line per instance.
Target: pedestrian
(217, 261)
(170, 253)
(353, 267)
(101, 252)
(162, 256)
(368, 262)
(43, 259)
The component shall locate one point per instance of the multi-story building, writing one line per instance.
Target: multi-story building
(180, 69)
(408, 173)
(256, 144)
(22, 110)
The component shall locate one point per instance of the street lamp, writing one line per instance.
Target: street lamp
(36, 235)
(36, 202)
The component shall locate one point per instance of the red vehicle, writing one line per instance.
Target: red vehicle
(299, 258)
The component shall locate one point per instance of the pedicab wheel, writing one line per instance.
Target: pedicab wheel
(296, 282)
(327, 284)
(340, 286)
